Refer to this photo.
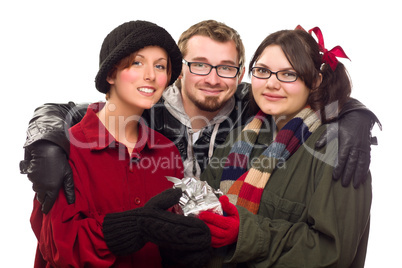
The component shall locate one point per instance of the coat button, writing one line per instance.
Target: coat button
(137, 200)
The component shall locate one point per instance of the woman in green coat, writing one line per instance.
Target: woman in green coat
(282, 208)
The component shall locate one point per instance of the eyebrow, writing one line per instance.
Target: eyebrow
(141, 56)
(281, 69)
(224, 62)
(163, 59)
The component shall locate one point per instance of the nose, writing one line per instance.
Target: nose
(149, 73)
(212, 78)
(273, 82)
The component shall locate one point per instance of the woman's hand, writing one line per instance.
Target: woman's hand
(224, 230)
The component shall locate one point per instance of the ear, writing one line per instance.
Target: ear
(242, 72)
(181, 74)
(317, 82)
(110, 80)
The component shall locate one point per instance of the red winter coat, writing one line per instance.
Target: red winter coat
(106, 180)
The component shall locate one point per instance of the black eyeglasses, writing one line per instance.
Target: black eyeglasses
(201, 68)
(283, 76)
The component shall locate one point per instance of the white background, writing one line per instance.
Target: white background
(49, 53)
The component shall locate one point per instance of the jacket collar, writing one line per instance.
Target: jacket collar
(98, 137)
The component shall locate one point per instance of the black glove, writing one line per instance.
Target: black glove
(354, 133)
(48, 169)
(185, 258)
(127, 232)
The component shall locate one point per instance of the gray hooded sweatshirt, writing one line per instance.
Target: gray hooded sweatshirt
(174, 104)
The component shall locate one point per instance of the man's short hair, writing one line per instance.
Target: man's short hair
(217, 31)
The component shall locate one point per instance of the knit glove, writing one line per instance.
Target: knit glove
(186, 258)
(127, 232)
(224, 230)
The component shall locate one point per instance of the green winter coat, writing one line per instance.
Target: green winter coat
(305, 219)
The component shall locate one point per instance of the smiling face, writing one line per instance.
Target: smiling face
(208, 93)
(282, 100)
(141, 85)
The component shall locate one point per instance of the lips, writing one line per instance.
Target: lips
(146, 90)
(213, 92)
(273, 97)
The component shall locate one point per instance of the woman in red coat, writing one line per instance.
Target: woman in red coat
(119, 164)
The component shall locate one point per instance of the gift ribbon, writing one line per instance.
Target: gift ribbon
(192, 189)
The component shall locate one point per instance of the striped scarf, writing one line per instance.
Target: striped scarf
(245, 188)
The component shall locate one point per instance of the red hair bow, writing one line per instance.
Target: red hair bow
(330, 56)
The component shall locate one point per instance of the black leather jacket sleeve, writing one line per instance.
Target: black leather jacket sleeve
(51, 122)
(355, 105)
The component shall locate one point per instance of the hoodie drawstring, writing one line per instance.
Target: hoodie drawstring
(212, 141)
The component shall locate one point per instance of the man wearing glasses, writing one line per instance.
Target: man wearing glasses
(196, 113)
(203, 99)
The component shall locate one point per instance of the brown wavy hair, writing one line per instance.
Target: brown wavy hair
(302, 52)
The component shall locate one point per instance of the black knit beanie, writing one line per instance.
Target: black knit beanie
(131, 37)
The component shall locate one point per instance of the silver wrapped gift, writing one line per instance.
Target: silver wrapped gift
(197, 196)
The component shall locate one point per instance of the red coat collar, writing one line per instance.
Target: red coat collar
(98, 137)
